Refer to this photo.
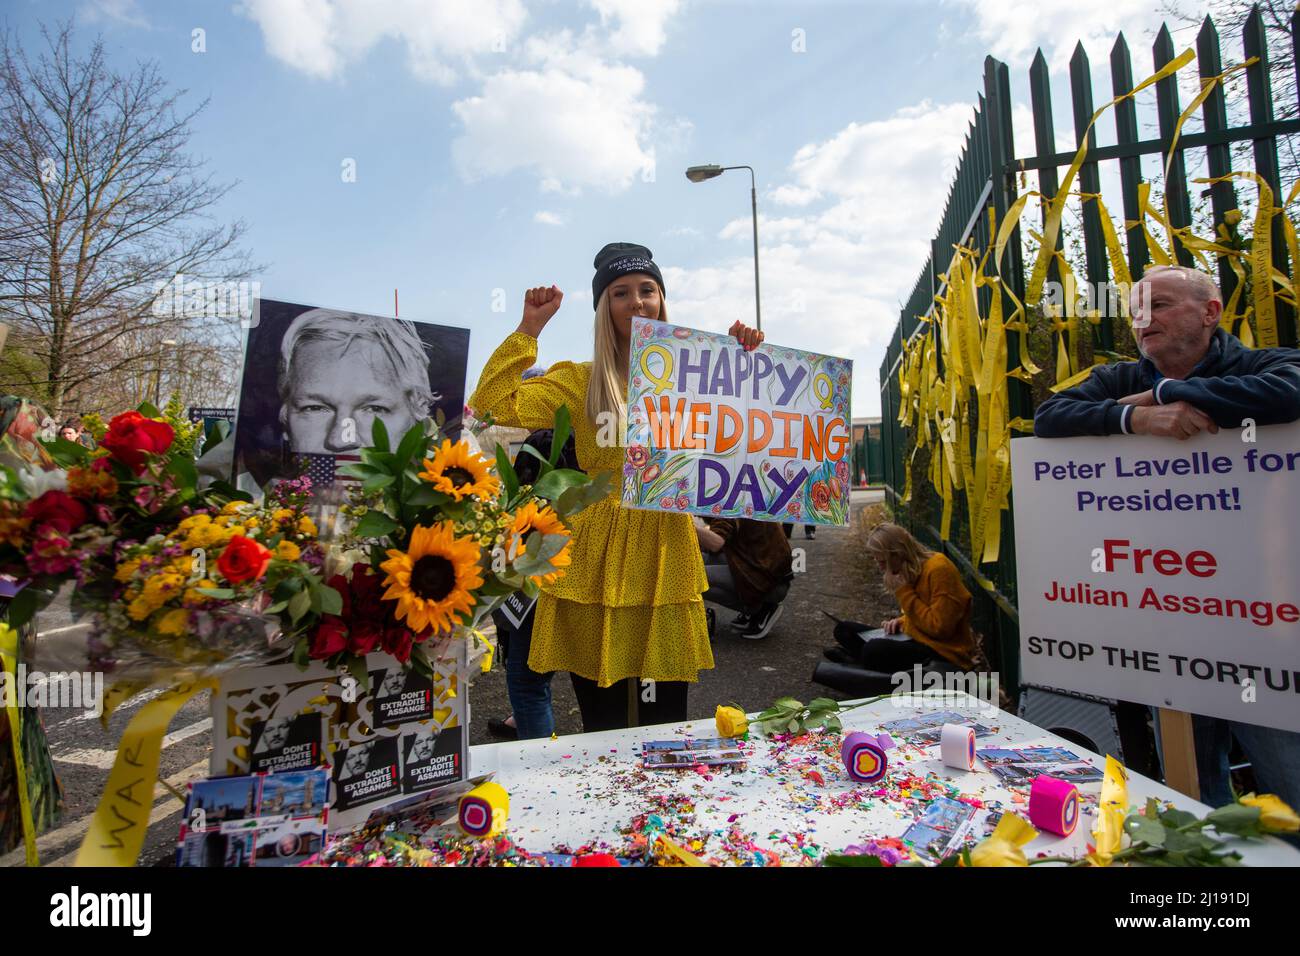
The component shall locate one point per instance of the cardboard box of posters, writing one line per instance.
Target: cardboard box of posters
(407, 736)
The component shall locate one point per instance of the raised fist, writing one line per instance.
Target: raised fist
(539, 305)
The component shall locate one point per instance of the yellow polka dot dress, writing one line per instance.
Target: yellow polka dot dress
(630, 604)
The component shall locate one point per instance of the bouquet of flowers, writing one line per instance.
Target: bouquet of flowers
(178, 577)
(440, 537)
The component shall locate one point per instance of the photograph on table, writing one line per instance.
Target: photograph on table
(315, 380)
(717, 431)
(927, 729)
(678, 754)
(1018, 768)
(254, 820)
(941, 828)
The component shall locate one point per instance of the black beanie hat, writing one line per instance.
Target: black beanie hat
(619, 259)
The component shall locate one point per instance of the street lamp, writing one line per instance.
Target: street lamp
(698, 174)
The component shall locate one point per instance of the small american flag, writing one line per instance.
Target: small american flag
(322, 469)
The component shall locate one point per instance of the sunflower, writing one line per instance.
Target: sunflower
(530, 518)
(432, 580)
(457, 471)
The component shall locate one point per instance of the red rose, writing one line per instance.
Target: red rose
(243, 560)
(58, 510)
(131, 436)
(331, 637)
(398, 641)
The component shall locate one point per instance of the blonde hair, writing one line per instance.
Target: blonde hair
(607, 389)
(890, 541)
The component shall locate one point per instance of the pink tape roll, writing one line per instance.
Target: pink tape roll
(1054, 805)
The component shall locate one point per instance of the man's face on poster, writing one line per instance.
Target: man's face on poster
(336, 391)
(357, 760)
(422, 749)
(275, 735)
(394, 683)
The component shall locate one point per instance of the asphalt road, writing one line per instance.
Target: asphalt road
(752, 674)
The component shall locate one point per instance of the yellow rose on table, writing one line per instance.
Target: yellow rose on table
(1275, 816)
(731, 721)
(1002, 848)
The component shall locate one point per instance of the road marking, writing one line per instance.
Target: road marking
(70, 831)
(103, 759)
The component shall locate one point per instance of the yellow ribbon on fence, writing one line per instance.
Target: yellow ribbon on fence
(118, 827)
(1262, 276)
(1052, 222)
(9, 665)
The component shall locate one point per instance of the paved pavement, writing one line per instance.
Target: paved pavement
(750, 673)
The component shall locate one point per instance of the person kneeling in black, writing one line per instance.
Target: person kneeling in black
(748, 566)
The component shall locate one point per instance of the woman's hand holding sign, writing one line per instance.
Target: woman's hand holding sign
(749, 338)
(540, 305)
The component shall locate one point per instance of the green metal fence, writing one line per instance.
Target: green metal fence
(987, 177)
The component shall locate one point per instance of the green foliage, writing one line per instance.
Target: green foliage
(1172, 837)
(789, 716)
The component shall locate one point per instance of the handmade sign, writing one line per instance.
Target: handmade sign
(397, 741)
(718, 431)
(1168, 574)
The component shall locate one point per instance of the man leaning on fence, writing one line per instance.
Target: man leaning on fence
(1192, 377)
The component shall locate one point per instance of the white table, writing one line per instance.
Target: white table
(583, 788)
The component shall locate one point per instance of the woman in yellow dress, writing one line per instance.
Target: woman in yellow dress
(627, 620)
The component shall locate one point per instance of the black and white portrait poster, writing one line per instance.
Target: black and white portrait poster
(365, 772)
(287, 743)
(316, 379)
(401, 696)
(430, 758)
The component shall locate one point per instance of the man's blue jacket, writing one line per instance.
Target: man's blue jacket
(1230, 384)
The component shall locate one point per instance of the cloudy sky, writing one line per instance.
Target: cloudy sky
(497, 144)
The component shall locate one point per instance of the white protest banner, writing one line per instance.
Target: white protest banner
(718, 431)
(1163, 572)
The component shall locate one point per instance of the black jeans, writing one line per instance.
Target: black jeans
(609, 708)
(886, 654)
